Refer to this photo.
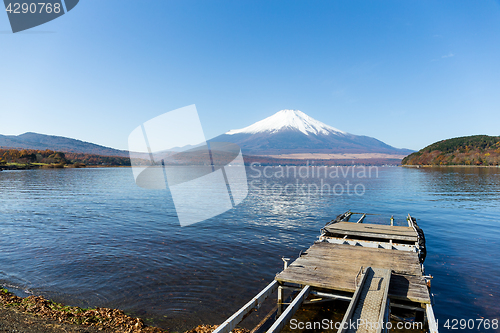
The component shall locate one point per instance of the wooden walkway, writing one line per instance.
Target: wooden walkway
(336, 266)
(369, 305)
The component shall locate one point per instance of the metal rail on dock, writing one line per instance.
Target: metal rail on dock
(290, 311)
(236, 318)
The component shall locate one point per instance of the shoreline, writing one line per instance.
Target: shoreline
(35, 314)
(49, 314)
(49, 167)
(448, 166)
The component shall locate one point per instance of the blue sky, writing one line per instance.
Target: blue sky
(408, 73)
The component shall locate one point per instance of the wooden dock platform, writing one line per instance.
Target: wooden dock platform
(335, 267)
(373, 266)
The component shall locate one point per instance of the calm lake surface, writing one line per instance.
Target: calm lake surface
(91, 237)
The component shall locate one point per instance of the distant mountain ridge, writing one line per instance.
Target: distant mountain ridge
(287, 132)
(37, 141)
(292, 132)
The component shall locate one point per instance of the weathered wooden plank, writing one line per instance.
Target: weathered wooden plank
(376, 228)
(368, 234)
(335, 266)
(353, 251)
(351, 265)
(373, 230)
(402, 287)
(341, 256)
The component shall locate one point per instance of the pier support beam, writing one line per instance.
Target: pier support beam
(433, 328)
(290, 311)
(280, 289)
(280, 301)
(236, 318)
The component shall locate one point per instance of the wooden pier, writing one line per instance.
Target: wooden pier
(374, 267)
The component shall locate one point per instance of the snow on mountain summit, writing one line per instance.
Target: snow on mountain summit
(288, 120)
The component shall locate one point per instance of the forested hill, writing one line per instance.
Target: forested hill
(480, 150)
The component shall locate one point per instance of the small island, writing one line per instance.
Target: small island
(476, 150)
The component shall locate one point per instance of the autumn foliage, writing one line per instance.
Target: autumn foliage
(477, 150)
(58, 159)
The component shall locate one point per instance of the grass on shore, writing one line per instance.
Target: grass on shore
(105, 318)
(113, 319)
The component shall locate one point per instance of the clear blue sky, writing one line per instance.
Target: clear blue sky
(406, 72)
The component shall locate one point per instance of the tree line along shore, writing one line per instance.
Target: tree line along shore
(19, 159)
(477, 150)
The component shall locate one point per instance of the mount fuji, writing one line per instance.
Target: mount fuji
(294, 132)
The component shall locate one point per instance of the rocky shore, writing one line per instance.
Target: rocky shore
(35, 314)
(52, 317)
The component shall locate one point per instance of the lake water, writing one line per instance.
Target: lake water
(91, 237)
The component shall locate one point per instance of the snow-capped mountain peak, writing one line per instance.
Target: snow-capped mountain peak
(290, 132)
(288, 120)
